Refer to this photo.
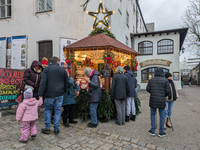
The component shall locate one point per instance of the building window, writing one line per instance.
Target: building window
(145, 48)
(44, 5)
(45, 50)
(165, 46)
(5, 8)
(126, 40)
(149, 73)
(127, 19)
(133, 7)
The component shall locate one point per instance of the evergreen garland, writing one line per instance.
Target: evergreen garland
(105, 31)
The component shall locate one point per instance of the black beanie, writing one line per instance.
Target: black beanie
(168, 75)
(127, 67)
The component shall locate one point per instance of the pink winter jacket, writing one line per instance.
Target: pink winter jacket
(28, 109)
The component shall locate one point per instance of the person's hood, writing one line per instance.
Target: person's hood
(35, 63)
(94, 72)
(129, 72)
(30, 102)
(159, 72)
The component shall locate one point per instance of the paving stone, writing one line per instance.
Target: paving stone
(72, 141)
(1, 130)
(143, 148)
(134, 145)
(106, 133)
(79, 148)
(119, 143)
(100, 142)
(94, 130)
(142, 143)
(151, 146)
(125, 143)
(128, 146)
(64, 145)
(57, 148)
(160, 148)
(106, 146)
(100, 132)
(75, 146)
(134, 141)
(114, 136)
(82, 127)
(124, 138)
(94, 146)
(108, 140)
(116, 148)
(19, 145)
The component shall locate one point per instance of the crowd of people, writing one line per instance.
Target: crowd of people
(52, 87)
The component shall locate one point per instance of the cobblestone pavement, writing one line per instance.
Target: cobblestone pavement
(77, 137)
(133, 135)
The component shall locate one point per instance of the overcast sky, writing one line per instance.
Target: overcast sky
(165, 13)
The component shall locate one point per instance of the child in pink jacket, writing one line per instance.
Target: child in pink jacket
(28, 112)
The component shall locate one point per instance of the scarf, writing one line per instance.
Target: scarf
(174, 91)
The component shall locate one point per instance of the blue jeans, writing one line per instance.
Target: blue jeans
(93, 112)
(49, 104)
(168, 109)
(162, 119)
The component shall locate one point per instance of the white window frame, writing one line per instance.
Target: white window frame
(6, 6)
(45, 5)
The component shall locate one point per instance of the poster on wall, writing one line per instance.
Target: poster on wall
(8, 53)
(11, 88)
(3, 52)
(18, 56)
(63, 43)
(176, 76)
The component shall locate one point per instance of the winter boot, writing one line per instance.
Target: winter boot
(127, 119)
(133, 117)
(168, 124)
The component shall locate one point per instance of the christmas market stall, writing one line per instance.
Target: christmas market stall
(104, 54)
(99, 52)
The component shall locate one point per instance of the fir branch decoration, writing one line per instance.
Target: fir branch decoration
(105, 31)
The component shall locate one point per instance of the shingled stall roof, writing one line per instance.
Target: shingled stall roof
(99, 41)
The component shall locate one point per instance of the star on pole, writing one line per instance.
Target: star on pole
(95, 14)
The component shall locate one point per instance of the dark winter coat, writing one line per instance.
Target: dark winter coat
(30, 76)
(68, 98)
(54, 82)
(131, 83)
(159, 88)
(120, 87)
(94, 91)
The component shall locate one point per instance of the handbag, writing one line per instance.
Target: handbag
(29, 86)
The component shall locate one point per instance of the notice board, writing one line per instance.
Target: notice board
(11, 88)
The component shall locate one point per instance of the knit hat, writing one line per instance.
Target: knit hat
(28, 93)
(44, 61)
(168, 75)
(127, 67)
(119, 69)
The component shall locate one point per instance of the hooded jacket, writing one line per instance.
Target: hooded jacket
(54, 82)
(28, 109)
(120, 88)
(30, 77)
(131, 82)
(94, 91)
(68, 98)
(159, 88)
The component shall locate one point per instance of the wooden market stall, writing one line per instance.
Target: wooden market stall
(96, 52)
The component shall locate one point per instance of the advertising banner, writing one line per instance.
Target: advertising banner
(63, 43)
(11, 88)
(18, 57)
(2, 52)
(8, 53)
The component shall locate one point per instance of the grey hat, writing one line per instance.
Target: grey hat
(119, 69)
(28, 94)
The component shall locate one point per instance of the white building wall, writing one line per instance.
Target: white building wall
(174, 58)
(66, 20)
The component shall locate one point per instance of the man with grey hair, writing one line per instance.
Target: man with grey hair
(94, 93)
(53, 86)
(119, 92)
